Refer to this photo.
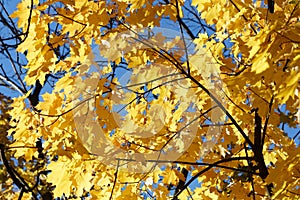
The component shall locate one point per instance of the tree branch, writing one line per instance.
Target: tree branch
(215, 164)
(17, 179)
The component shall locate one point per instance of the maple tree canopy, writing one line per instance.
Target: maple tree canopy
(156, 99)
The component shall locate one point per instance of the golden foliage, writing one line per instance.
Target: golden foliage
(124, 129)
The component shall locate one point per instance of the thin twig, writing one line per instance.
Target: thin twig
(250, 174)
(13, 65)
(295, 136)
(267, 120)
(115, 181)
(208, 168)
(243, 16)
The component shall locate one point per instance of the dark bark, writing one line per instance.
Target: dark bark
(181, 183)
(34, 96)
(271, 6)
(258, 147)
